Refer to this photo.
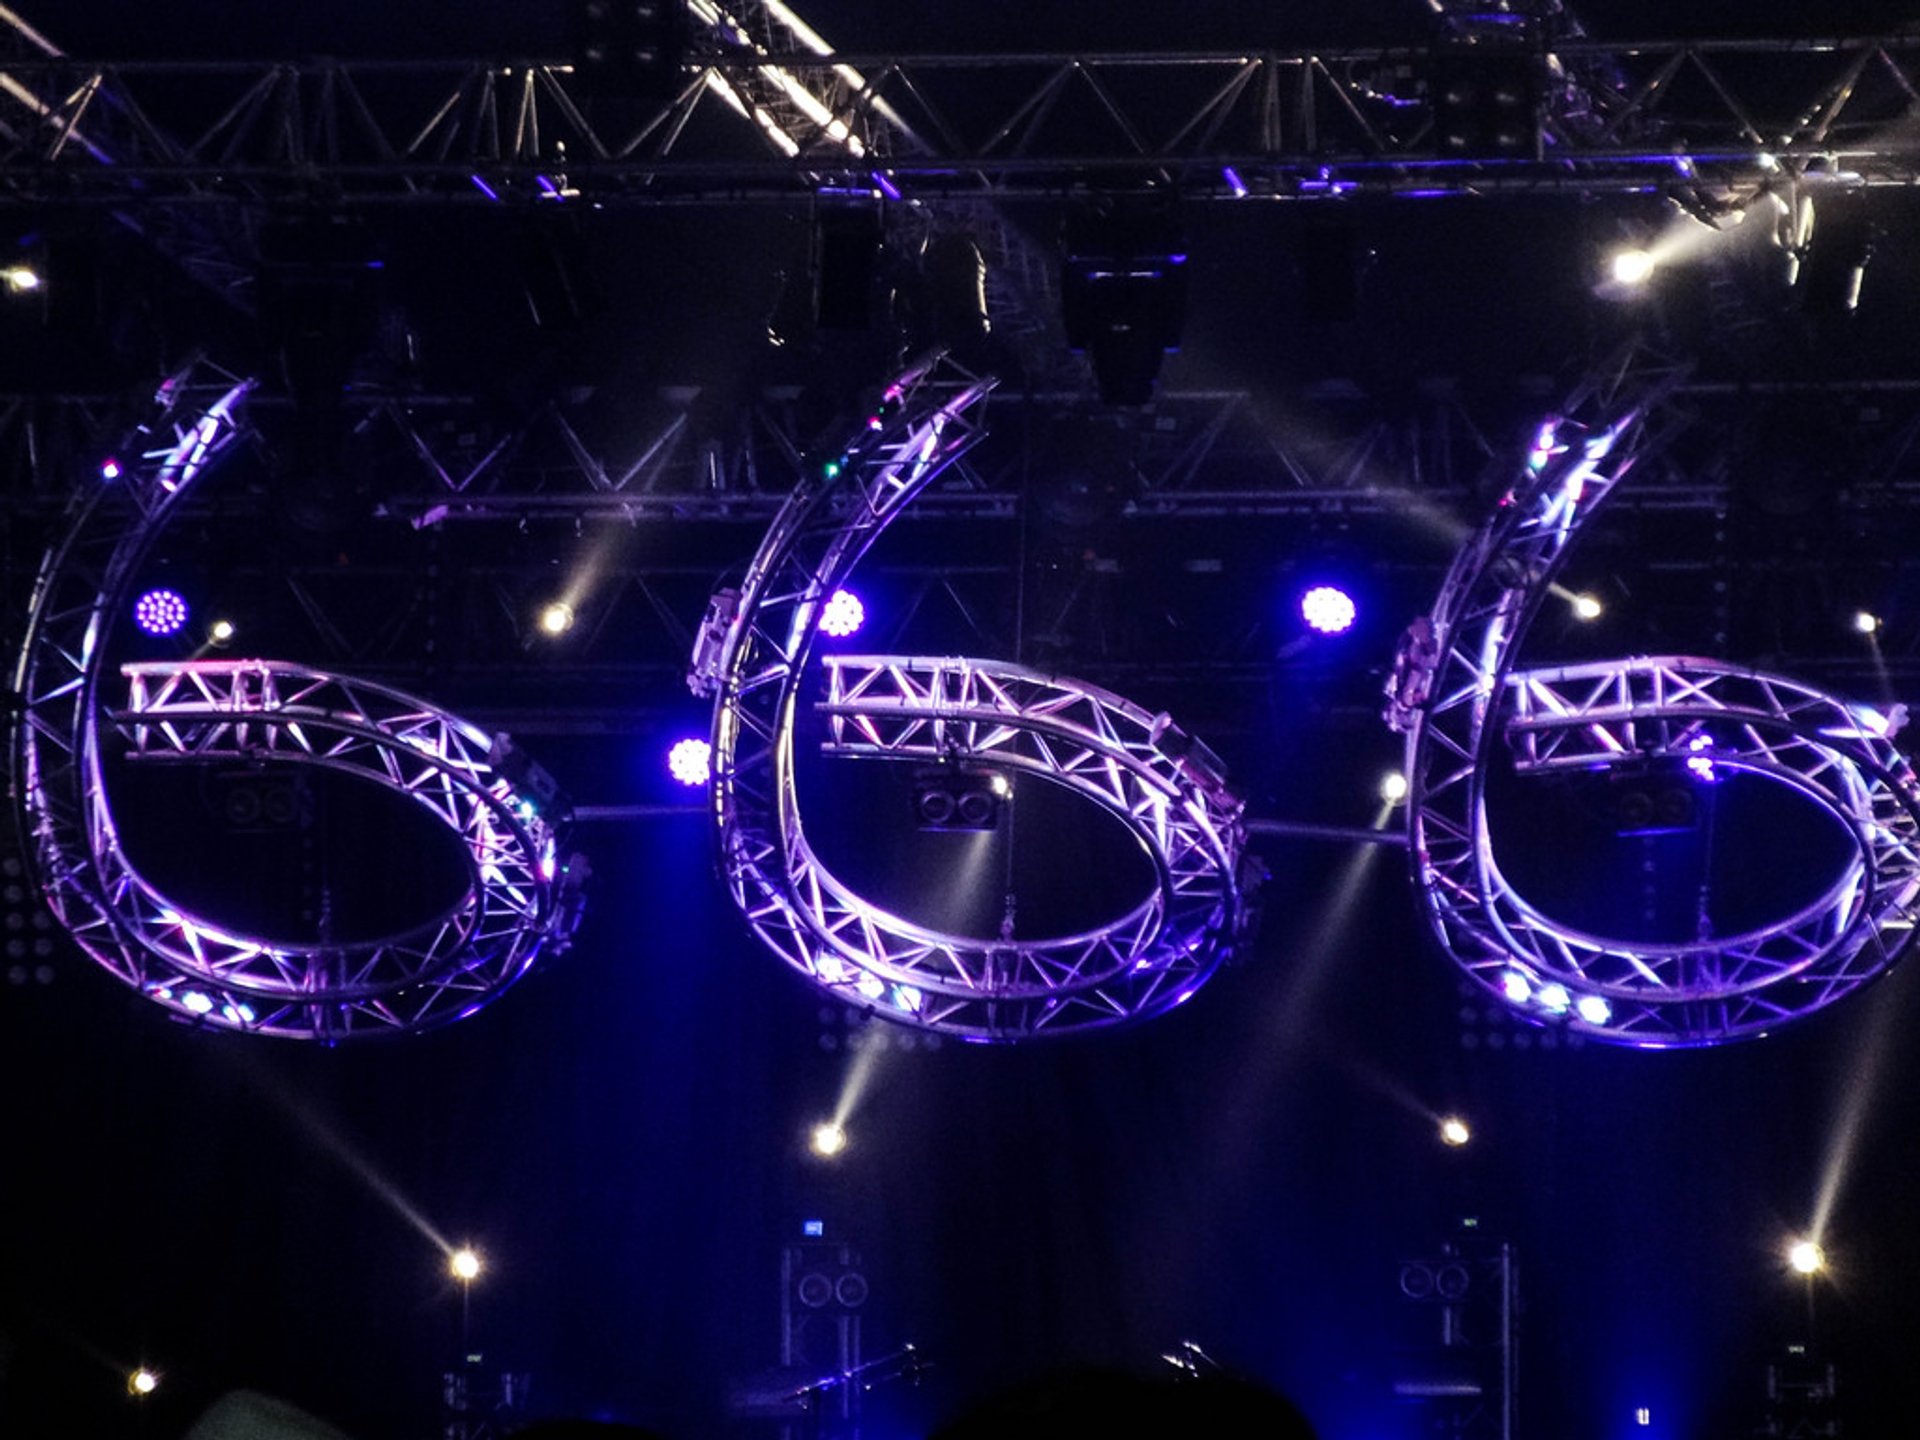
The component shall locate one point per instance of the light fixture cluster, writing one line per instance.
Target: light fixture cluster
(1553, 1001)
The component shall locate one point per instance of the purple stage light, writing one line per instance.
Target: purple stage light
(161, 612)
(109, 469)
(1700, 759)
(691, 762)
(843, 615)
(1327, 609)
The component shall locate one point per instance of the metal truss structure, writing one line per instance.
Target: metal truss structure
(1716, 117)
(518, 901)
(1457, 693)
(1137, 766)
(753, 654)
(1713, 720)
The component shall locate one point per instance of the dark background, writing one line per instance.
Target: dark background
(623, 1135)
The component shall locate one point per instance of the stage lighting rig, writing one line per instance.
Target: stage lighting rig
(952, 797)
(1123, 291)
(1486, 85)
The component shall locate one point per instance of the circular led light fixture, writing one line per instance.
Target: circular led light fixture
(160, 611)
(1328, 609)
(690, 761)
(843, 615)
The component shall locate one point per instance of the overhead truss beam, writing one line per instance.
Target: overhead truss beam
(1717, 114)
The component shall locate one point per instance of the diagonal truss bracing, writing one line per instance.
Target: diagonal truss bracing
(1618, 116)
(1458, 693)
(517, 901)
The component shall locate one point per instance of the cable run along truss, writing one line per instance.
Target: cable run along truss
(1457, 693)
(753, 657)
(517, 903)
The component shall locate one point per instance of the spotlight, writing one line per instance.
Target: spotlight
(1593, 1009)
(690, 762)
(1393, 787)
(160, 612)
(1123, 291)
(1486, 92)
(1866, 622)
(1554, 999)
(842, 615)
(21, 279)
(220, 632)
(556, 618)
(1328, 609)
(1515, 987)
(947, 798)
(1632, 267)
(143, 1382)
(828, 1139)
(1659, 799)
(633, 49)
(464, 1264)
(1587, 607)
(1806, 1257)
(1454, 1132)
(109, 469)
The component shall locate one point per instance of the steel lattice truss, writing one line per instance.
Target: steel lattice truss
(1100, 747)
(1456, 693)
(259, 710)
(1712, 116)
(753, 655)
(1722, 720)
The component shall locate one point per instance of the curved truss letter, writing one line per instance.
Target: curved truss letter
(256, 710)
(1075, 735)
(1457, 693)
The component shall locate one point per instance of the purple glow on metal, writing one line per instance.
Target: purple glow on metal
(1328, 609)
(109, 469)
(885, 186)
(161, 612)
(196, 1002)
(1234, 182)
(843, 615)
(690, 762)
(484, 188)
(551, 190)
